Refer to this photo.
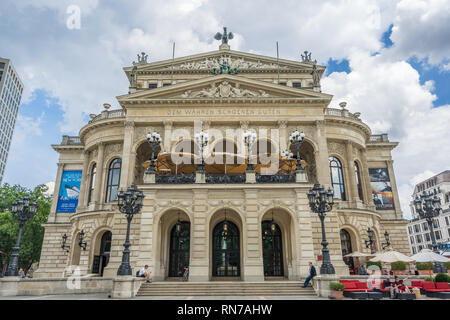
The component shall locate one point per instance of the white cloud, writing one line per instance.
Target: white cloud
(391, 99)
(422, 29)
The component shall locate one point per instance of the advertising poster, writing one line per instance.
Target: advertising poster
(381, 189)
(69, 190)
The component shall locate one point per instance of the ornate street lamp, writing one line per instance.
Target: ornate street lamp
(249, 140)
(429, 207)
(63, 244)
(321, 202)
(225, 227)
(202, 141)
(82, 243)
(370, 242)
(296, 138)
(178, 225)
(130, 203)
(154, 140)
(22, 210)
(387, 243)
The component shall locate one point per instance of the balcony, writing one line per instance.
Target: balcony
(214, 178)
(379, 138)
(344, 113)
(70, 141)
(113, 114)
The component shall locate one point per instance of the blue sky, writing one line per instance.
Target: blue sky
(389, 59)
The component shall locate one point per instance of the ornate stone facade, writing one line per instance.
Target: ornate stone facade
(185, 99)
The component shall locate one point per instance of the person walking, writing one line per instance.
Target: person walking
(186, 273)
(312, 274)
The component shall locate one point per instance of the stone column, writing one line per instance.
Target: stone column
(199, 269)
(321, 155)
(99, 179)
(366, 178)
(304, 237)
(147, 234)
(253, 267)
(353, 189)
(52, 215)
(127, 154)
(84, 185)
(167, 135)
(398, 210)
(282, 127)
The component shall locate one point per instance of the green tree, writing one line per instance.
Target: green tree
(33, 232)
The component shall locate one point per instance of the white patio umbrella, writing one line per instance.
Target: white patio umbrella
(391, 256)
(357, 254)
(426, 255)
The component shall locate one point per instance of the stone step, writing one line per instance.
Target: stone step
(225, 288)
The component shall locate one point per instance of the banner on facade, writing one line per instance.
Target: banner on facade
(381, 188)
(69, 190)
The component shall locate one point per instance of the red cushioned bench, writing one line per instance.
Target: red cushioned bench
(355, 286)
(415, 284)
(431, 288)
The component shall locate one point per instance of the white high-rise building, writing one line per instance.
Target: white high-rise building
(11, 89)
(418, 230)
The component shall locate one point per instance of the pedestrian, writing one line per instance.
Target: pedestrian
(21, 273)
(312, 274)
(186, 273)
(145, 272)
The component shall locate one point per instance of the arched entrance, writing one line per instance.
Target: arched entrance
(346, 245)
(226, 250)
(101, 260)
(272, 249)
(179, 248)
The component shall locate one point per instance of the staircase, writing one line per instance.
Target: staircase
(225, 288)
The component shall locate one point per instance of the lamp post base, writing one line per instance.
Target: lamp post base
(124, 270)
(327, 269)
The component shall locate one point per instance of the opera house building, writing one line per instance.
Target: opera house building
(225, 146)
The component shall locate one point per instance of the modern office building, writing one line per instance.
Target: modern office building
(11, 89)
(418, 230)
(221, 217)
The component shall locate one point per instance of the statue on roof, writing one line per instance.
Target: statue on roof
(225, 36)
(142, 58)
(306, 57)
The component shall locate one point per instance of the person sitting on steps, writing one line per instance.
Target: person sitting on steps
(145, 272)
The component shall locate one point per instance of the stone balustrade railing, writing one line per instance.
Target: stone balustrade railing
(379, 138)
(342, 113)
(70, 140)
(108, 115)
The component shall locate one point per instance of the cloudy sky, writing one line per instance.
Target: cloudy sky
(389, 59)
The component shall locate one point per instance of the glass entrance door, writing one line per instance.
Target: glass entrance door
(226, 251)
(179, 249)
(272, 250)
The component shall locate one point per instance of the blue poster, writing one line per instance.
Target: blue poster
(69, 190)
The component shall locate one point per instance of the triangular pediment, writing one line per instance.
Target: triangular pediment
(224, 86)
(242, 61)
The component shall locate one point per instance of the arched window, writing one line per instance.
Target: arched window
(113, 180)
(358, 182)
(92, 183)
(337, 178)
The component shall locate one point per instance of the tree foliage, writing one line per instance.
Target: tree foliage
(33, 232)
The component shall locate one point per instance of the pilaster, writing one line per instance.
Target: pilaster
(100, 178)
(199, 267)
(321, 155)
(253, 263)
(127, 154)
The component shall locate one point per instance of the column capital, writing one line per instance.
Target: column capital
(168, 124)
(282, 123)
(129, 124)
(206, 124)
(244, 124)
